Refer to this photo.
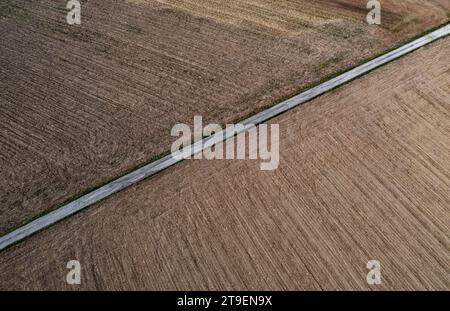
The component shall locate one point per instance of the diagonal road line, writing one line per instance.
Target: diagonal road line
(161, 164)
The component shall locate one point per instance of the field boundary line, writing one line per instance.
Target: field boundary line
(159, 165)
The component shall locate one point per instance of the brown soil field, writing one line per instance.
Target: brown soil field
(81, 105)
(364, 175)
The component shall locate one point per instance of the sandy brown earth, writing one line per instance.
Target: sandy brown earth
(81, 105)
(364, 175)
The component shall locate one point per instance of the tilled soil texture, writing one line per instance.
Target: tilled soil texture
(81, 105)
(364, 175)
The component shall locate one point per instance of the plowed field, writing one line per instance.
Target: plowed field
(364, 175)
(80, 105)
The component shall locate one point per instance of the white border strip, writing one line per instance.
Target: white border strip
(159, 165)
